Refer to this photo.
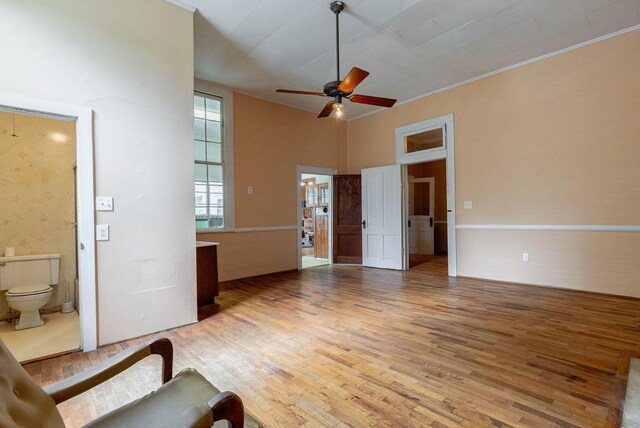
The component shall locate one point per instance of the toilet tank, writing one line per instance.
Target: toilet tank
(29, 270)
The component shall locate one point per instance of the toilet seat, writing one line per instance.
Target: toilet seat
(28, 290)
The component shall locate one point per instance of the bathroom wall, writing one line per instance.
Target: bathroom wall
(37, 194)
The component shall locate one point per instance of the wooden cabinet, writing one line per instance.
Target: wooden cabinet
(206, 272)
(321, 233)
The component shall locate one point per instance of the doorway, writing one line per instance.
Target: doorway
(315, 216)
(82, 119)
(38, 157)
(427, 213)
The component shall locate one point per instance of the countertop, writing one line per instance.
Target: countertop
(205, 244)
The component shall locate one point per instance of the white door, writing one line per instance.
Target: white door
(421, 215)
(382, 217)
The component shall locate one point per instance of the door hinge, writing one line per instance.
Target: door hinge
(403, 251)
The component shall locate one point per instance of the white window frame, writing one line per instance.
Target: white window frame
(202, 87)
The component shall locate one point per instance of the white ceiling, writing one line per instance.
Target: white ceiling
(410, 47)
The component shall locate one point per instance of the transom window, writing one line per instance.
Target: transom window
(209, 149)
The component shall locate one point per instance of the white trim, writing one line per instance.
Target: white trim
(226, 94)
(265, 228)
(510, 67)
(306, 169)
(85, 200)
(182, 4)
(447, 152)
(558, 227)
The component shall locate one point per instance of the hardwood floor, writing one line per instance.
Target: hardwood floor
(349, 346)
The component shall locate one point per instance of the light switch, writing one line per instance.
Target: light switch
(104, 203)
(468, 205)
(525, 257)
(250, 190)
(102, 232)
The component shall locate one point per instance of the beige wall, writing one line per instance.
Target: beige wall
(37, 194)
(132, 64)
(438, 170)
(554, 142)
(270, 140)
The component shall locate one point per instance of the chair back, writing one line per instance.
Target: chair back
(23, 403)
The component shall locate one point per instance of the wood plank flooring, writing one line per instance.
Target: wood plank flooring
(350, 346)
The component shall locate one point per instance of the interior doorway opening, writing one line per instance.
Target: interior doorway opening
(315, 216)
(315, 219)
(427, 213)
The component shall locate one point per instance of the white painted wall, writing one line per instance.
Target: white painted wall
(132, 63)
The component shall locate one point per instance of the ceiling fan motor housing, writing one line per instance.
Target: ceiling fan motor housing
(331, 89)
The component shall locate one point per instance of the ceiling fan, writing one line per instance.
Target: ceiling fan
(343, 89)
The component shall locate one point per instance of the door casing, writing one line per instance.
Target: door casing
(447, 152)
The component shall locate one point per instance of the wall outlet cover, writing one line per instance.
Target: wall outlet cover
(468, 205)
(102, 232)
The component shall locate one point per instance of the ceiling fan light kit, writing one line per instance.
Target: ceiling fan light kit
(342, 89)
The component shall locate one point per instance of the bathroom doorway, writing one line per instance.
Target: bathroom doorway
(315, 217)
(38, 155)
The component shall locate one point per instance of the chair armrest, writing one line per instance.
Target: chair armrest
(84, 381)
(227, 405)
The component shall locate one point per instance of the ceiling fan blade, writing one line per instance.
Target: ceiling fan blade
(326, 111)
(353, 79)
(374, 101)
(288, 91)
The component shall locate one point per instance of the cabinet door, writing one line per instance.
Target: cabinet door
(312, 195)
(323, 194)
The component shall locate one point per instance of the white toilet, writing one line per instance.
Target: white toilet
(28, 281)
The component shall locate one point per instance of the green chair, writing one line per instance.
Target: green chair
(186, 400)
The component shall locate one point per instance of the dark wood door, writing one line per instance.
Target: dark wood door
(347, 219)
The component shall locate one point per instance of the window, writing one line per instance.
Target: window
(210, 165)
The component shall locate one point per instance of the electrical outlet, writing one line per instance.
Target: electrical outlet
(104, 203)
(102, 232)
(525, 257)
(468, 205)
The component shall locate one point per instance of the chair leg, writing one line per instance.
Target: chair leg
(227, 405)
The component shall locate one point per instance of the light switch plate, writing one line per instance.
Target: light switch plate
(525, 257)
(104, 203)
(468, 205)
(102, 232)
(250, 190)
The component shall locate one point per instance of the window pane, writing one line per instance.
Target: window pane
(198, 106)
(198, 129)
(215, 175)
(213, 131)
(200, 173)
(424, 140)
(199, 151)
(214, 152)
(213, 109)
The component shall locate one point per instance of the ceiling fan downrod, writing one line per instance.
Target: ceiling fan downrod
(337, 7)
